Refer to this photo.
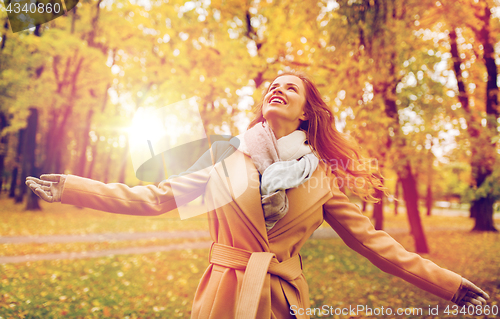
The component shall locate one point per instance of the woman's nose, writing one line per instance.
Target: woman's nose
(277, 89)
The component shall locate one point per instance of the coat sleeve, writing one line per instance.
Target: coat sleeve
(383, 251)
(139, 200)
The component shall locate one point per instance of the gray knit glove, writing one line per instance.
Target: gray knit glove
(469, 294)
(49, 187)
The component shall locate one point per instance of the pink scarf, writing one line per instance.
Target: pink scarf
(279, 174)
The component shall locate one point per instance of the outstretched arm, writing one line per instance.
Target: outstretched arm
(121, 199)
(386, 253)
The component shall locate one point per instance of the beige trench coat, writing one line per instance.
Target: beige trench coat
(272, 281)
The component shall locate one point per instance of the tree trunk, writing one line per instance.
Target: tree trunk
(491, 68)
(411, 198)
(73, 19)
(107, 166)
(90, 171)
(81, 163)
(396, 195)
(21, 188)
(484, 208)
(378, 210)
(18, 191)
(481, 159)
(13, 182)
(428, 198)
(50, 144)
(94, 25)
(123, 166)
(457, 61)
(57, 136)
(3, 147)
(405, 175)
(4, 34)
(29, 160)
(15, 170)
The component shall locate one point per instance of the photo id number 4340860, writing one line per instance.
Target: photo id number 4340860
(34, 8)
(477, 310)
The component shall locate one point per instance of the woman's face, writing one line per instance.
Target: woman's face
(285, 100)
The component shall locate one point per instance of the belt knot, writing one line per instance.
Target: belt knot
(256, 266)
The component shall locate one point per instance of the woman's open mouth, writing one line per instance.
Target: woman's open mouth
(277, 100)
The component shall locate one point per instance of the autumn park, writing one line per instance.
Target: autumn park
(414, 83)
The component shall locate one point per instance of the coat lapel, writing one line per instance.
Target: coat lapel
(244, 185)
(315, 191)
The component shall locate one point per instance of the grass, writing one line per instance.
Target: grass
(134, 286)
(162, 285)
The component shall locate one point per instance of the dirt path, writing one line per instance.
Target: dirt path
(100, 237)
(103, 253)
(320, 233)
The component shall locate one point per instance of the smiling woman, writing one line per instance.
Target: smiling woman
(255, 268)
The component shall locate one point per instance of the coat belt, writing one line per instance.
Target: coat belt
(256, 266)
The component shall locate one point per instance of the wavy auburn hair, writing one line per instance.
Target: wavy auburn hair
(337, 150)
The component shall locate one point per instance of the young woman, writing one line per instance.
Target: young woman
(289, 164)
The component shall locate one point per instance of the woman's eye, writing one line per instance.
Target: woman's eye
(292, 88)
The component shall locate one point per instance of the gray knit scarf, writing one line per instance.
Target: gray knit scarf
(283, 164)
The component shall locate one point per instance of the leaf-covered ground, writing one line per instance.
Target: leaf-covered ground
(162, 285)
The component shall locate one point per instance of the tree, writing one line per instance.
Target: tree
(481, 128)
(378, 40)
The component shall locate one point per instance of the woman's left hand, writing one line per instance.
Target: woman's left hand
(469, 295)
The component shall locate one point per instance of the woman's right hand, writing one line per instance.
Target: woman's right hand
(469, 294)
(49, 187)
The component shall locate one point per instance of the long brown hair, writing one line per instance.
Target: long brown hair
(336, 150)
